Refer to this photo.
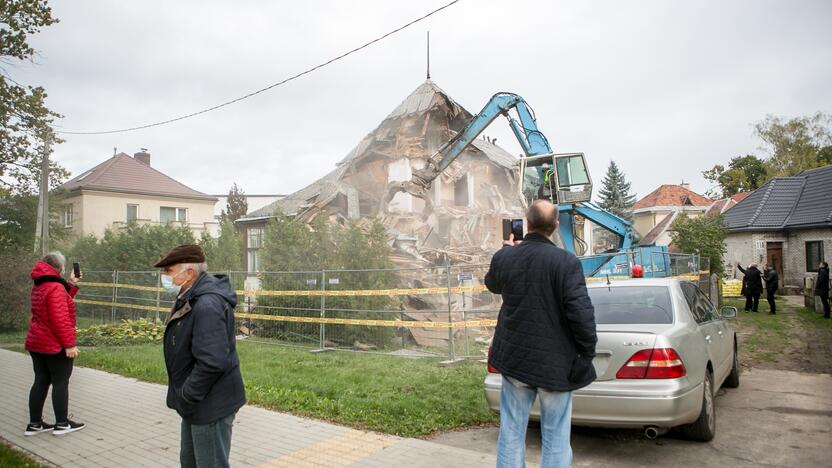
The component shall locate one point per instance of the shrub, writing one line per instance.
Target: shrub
(125, 333)
(16, 285)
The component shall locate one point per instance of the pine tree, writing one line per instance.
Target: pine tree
(615, 195)
(237, 206)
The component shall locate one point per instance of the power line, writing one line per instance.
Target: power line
(267, 88)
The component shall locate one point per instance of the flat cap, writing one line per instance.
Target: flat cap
(188, 253)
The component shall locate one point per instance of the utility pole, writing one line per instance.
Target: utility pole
(42, 225)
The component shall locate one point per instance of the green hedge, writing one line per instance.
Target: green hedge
(125, 333)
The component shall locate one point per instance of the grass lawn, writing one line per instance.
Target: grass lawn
(764, 336)
(407, 397)
(13, 458)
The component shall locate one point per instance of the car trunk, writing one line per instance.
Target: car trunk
(617, 343)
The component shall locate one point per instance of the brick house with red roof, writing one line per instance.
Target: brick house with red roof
(127, 189)
(660, 206)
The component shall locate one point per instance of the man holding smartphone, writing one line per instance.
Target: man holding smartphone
(545, 338)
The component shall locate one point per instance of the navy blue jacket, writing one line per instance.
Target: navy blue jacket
(545, 333)
(822, 285)
(204, 380)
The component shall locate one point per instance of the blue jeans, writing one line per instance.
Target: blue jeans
(206, 445)
(516, 400)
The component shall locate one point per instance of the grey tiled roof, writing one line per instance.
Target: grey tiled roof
(801, 201)
(124, 174)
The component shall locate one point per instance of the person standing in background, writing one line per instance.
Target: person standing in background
(822, 287)
(51, 344)
(772, 280)
(754, 286)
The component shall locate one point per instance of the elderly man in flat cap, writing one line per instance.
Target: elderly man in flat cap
(204, 382)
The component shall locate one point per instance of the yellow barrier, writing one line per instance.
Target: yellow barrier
(336, 321)
(317, 292)
(732, 288)
(371, 323)
(126, 306)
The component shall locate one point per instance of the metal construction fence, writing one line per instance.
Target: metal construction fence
(442, 311)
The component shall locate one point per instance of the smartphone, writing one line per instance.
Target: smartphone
(76, 269)
(513, 226)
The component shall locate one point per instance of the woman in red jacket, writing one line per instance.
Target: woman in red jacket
(51, 343)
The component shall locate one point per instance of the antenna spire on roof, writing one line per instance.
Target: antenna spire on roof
(428, 73)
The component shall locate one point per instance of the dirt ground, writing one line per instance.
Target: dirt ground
(781, 415)
(808, 349)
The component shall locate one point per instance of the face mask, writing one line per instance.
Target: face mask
(169, 286)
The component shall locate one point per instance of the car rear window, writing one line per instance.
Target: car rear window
(631, 304)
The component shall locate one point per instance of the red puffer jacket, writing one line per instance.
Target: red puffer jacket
(52, 327)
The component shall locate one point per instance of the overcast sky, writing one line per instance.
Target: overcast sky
(667, 89)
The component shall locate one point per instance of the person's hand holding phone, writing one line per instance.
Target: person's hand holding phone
(75, 275)
(511, 242)
(72, 352)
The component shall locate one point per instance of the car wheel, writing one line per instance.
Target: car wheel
(733, 379)
(704, 428)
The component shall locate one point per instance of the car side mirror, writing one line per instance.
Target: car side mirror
(728, 312)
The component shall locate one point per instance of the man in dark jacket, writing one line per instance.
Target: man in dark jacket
(204, 382)
(753, 286)
(772, 280)
(822, 287)
(545, 338)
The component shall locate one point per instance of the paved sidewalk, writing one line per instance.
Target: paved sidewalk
(128, 425)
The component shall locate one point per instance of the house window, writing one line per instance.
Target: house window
(254, 243)
(814, 255)
(169, 214)
(68, 216)
(461, 191)
(132, 212)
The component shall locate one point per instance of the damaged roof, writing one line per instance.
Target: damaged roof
(415, 129)
(797, 202)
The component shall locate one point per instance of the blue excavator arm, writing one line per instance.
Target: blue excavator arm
(534, 143)
(526, 131)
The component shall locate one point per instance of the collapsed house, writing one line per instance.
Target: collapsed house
(469, 199)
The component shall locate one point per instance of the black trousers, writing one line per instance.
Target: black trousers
(824, 299)
(54, 370)
(752, 302)
(770, 299)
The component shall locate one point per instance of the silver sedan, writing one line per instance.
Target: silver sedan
(663, 350)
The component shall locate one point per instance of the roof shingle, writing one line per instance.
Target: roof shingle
(124, 174)
(801, 201)
(672, 195)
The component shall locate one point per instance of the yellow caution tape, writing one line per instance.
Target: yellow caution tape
(122, 286)
(370, 323)
(126, 306)
(336, 321)
(317, 292)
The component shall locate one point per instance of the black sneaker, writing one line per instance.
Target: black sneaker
(37, 428)
(67, 427)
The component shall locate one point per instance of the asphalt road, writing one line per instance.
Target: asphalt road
(775, 418)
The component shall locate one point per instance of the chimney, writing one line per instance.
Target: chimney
(142, 156)
(684, 184)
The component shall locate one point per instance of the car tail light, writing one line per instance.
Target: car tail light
(662, 363)
(491, 369)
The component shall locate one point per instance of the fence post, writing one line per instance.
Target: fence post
(158, 293)
(115, 297)
(323, 309)
(450, 312)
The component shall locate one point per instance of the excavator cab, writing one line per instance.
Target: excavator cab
(560, 178)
